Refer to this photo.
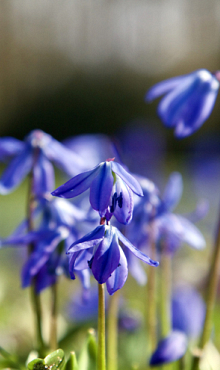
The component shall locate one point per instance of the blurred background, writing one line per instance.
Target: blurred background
(78, 66)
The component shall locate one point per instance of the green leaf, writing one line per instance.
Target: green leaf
(71, 362)
(55, 360)
(37, 364)
(88, 355)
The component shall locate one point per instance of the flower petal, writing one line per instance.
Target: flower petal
(106, 258)
(170, 349)
(16, 171)
(191, 234)
(173, 191)
(170, 105)
(89, 240)
(124, 212)
(43, 174)
(77, 184)
(131, 182)
(134, 250)
(64, 158)
(101, 188)
(163, 87)
(9, 147)
(119, 275)
(136, 270)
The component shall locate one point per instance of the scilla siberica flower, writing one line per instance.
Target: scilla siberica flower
(170, 349)
(188, 102)
(111, 190)
(107, 259)
(35, 154)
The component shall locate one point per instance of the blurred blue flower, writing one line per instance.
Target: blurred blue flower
(58, 222)
(111, 190)
(101, 252)
(169, 349)
(188, 311)
(173, 229)
(188, 102)
(35, 154)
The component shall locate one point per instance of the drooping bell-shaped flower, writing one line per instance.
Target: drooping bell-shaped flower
(58, 227)
(169, 349)
(188, 100)
(171, 228)
(111, 190)
(35, 154)
(105, 256)
(188, 311)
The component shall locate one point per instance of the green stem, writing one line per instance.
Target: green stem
(112, 358)
(165, 294)
(35, 298)
(165, 298)
(151, 300)
(53, 318)
(210, 297)
(101, 362)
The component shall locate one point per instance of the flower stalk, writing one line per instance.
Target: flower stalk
(210, 296)
(53, 318)
(112, 356)
(35, 298)
(101, 361)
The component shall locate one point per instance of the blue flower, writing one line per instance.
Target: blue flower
(188, 311)
(174, 229)
(105, 256)
(188, 102)
(35, 154)
(170, 349)
(111, 190)
(59, 222)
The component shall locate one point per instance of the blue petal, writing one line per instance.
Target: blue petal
(44, 279)
(191, 234)
(63, 157)
(89, 240)
(101, 188)
(170, 105)
(81, 261)
(41, 255)
(106, 258)
(173, 191)
(136, 270)
(190, 104)
(10, 147)
(170, 349)
(125, 212)
(18, 168)
(132, 183)
(84, 276)
(43, 175)
(163, 87)
(134, 250)
(77, 184)
(188, 311)
(119, 275)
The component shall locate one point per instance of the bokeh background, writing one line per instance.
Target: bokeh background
(70, 67)
(84, 66)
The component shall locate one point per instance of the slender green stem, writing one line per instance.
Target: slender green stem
(151, 299)
(165, 294)
(165, 273)
(210, 296)
(101, 362)
(112, 322)
(53, 318)
(35, 298)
